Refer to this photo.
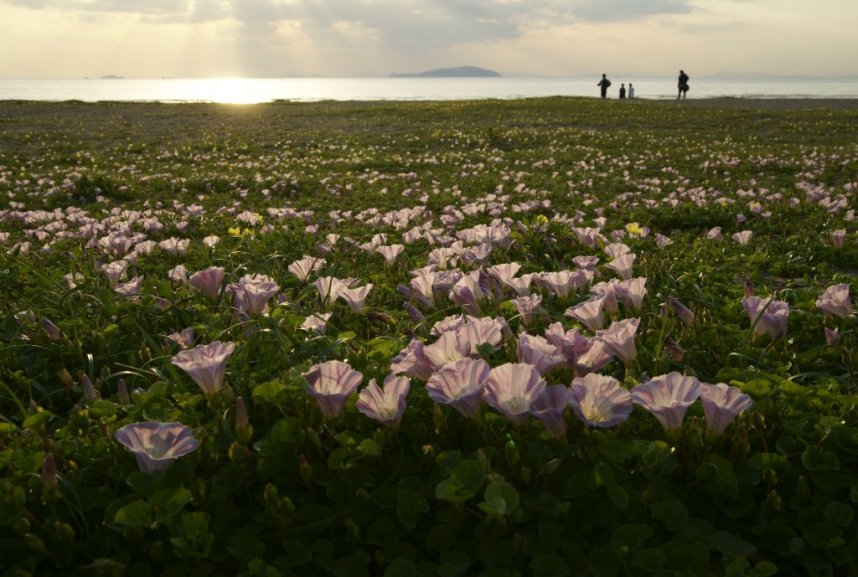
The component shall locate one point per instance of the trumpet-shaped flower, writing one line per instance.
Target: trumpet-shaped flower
(412, 361)
(721, 404)
(156, 445)
(632, 292)
(450, 346)
(836, 301)
(208, 281)
(767, 315)
(620, 338)
(331, 383)
(206, 364)
(622, 265)
(330, 289)
(539, 352)
(356, 297)
(390, 252)
(252, 293)
(743, 238)
(387, 404)
(304, 267)
(549, 407)
(511, 389)
(600, 401)
(667, 397)
(459, 384)
(590, 313)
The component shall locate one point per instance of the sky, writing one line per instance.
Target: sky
(356, 38)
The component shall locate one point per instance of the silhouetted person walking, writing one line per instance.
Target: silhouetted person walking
(604, 83)
(683, 85)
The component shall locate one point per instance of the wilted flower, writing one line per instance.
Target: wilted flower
(384, 405)
(721, 404)
(156, 445)
(331, 383)
(511, 389)
(836, 301)
(832, 336)
(600, 401)
(208, 281)
(90, 395)
(206, 364)
(459, 384)
(767, 315)
(686, 315)
(53, 331)
(667, 397)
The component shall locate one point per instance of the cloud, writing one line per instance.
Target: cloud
(621, 10)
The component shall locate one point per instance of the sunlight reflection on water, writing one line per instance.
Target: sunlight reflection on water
(254, 90)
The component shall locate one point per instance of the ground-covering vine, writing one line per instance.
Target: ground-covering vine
(539, 337)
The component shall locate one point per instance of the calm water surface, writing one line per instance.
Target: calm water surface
(253, 90)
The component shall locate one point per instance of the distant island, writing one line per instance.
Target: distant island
(458, 72)
(111, 77)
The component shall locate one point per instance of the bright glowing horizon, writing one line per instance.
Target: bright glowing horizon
(231, 39)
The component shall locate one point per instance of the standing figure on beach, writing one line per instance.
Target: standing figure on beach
(603, 84)
(622, 91)
(631, 91)
(683, 85)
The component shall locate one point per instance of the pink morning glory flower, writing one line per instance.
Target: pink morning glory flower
(156, 445)
(331, 383)
(512, 388)
(459, 384)
(208, 281)
(721, 404)
(835, 300)
(206, 364)
(767, 315)
(549, 407)
(667, 397)
(386, 404)
(600, 401)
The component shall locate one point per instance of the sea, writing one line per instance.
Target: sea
(258, 90)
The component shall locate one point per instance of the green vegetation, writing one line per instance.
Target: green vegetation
(109, 209)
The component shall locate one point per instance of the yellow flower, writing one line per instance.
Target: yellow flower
(541, 219)
(234, 231)
(634, 228)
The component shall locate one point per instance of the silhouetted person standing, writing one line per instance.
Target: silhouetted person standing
(683, 85)
(631, 91)
(604, 83)
(622, 91)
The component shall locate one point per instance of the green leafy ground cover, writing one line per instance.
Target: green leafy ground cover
(289, 492)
